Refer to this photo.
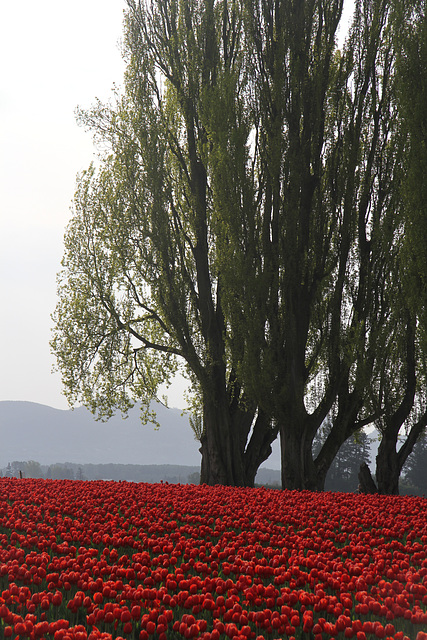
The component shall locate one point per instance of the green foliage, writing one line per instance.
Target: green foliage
(398, 389)
(141, 293)
(253, 223)
(109, 341)
(411, 36)
(129, 290)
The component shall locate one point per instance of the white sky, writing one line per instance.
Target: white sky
(53, 57)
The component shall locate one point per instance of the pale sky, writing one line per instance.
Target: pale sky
(53, 57)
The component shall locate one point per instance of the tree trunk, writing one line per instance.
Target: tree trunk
(366, 482)
(411, 439)
(227, 456)
(221, 459)
(387, 471)
(259, 447)
(344, 426)
(389, 461)
(298, 470)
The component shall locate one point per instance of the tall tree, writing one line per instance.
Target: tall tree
(398, 392)
(141, 290)
(400, 388)
(246, 221)
(324, 169)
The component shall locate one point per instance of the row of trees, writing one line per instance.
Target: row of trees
(93, 471)
(33, 469)
(342, 474)
(257, 222)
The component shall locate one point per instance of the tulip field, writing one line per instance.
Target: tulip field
(110, 560)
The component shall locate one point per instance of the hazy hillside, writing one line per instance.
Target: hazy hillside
(30, 431)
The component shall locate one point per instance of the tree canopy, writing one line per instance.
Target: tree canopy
(140, 291)
(247, 225)
(400, 382)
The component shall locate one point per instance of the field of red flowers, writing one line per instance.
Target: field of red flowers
(103, 560)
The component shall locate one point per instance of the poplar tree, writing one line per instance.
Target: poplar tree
(399, 385)
(322, 229)
(246, 224)
(140, 292)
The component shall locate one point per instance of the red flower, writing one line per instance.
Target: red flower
(290, 559)
(151, 627)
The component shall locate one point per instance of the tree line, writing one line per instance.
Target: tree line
(342, 474)
(106, 471)
(257, 222)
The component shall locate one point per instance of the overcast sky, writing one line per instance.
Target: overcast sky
(53, 57)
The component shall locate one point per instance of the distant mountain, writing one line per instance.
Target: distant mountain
(30, 431)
